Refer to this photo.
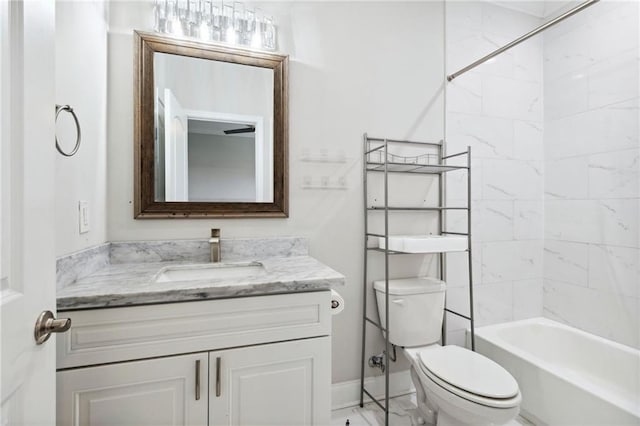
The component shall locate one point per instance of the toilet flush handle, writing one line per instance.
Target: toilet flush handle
(398, 301)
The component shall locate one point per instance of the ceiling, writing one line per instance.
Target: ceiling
(206, 127)
(540, 8)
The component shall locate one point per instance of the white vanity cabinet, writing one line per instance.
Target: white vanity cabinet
(141, 393)
(280, 384)
(263, 360)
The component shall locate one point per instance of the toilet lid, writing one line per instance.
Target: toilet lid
(469, 371)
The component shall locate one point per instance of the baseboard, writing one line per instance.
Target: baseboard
(347, 394)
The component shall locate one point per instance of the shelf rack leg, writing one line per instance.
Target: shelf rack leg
(364, 284)
(471, 315)
(441, 226)
(386, 284)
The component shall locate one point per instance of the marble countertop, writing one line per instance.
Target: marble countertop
(129, 284)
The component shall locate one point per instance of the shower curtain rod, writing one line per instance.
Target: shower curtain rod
(523, 38)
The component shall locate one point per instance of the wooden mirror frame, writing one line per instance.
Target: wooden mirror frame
(145, 205)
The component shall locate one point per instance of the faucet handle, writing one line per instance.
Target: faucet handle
(215, 233)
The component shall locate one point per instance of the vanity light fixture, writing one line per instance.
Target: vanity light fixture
(215, 20)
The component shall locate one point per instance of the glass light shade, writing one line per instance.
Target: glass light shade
(229, 22)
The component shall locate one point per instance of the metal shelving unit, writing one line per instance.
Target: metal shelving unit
(378, 159)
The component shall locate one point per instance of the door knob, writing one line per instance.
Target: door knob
(47, 324)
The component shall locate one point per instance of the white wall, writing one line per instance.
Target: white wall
(497, 110)
(221, 168)
(592, 172)
(81, 81)
(213, 88)
(354, 67)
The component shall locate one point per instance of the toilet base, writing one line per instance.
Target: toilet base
(425, 414)
(437, 410)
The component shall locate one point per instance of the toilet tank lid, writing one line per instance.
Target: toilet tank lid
(415, 285)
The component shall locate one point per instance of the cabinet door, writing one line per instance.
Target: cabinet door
(150, 392)
(277, 384)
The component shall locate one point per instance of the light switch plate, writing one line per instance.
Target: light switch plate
(83, 216)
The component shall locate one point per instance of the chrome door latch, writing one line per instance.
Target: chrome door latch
(47, 324)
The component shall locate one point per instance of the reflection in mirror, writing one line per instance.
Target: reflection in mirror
(213, 138)
(211, 130)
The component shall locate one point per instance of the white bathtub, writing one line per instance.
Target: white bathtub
(566, 376)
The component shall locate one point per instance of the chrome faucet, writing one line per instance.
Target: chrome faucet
(214, 244)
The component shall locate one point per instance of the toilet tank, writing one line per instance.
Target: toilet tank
(416, 309)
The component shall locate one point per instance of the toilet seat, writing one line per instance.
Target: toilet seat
(468, 375)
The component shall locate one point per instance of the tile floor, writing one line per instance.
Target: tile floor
(402, 414)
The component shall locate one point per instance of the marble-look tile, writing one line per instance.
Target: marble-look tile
(512, 180)
(457, 183)
(615, 269)
(613, 80)
(614, 174)
(609, 315)
(492, 221)
(456, 329)
(458, 301)
(466, 45)
(458, 269)
(566, 261)
(78, 265)
(573, 220)
(567, 53)
(609, 34)
(510, 98)
(527, 299)
(566, 178)
(588, 17)
(464, 14)
(506, 22)
(566, 95)
(528, 61)
(570, 25)
(464, 95)
(402, 412)
(457, 219)
(528, 140)
(528, 220)
(610, 128)
(488, 137)
(511, 260)
(499, 66)
(493, 303)
(457, 338)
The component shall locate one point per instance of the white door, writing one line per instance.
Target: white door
(278, 384)
(155, 392)
(27, 266)
(176, 150)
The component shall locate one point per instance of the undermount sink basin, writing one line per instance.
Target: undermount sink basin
(208, 272)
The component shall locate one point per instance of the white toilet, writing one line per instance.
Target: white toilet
(454, 385)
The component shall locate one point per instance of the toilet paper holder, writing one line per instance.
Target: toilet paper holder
(337, 303)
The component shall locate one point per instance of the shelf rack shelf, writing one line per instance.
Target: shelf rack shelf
(378, 159)
(429, 169)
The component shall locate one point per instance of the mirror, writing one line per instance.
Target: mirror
(211, 130)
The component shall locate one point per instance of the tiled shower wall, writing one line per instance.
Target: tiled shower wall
(497, 109)
(592, 164)
(554, 127)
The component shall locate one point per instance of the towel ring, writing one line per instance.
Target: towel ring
(75, 118)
